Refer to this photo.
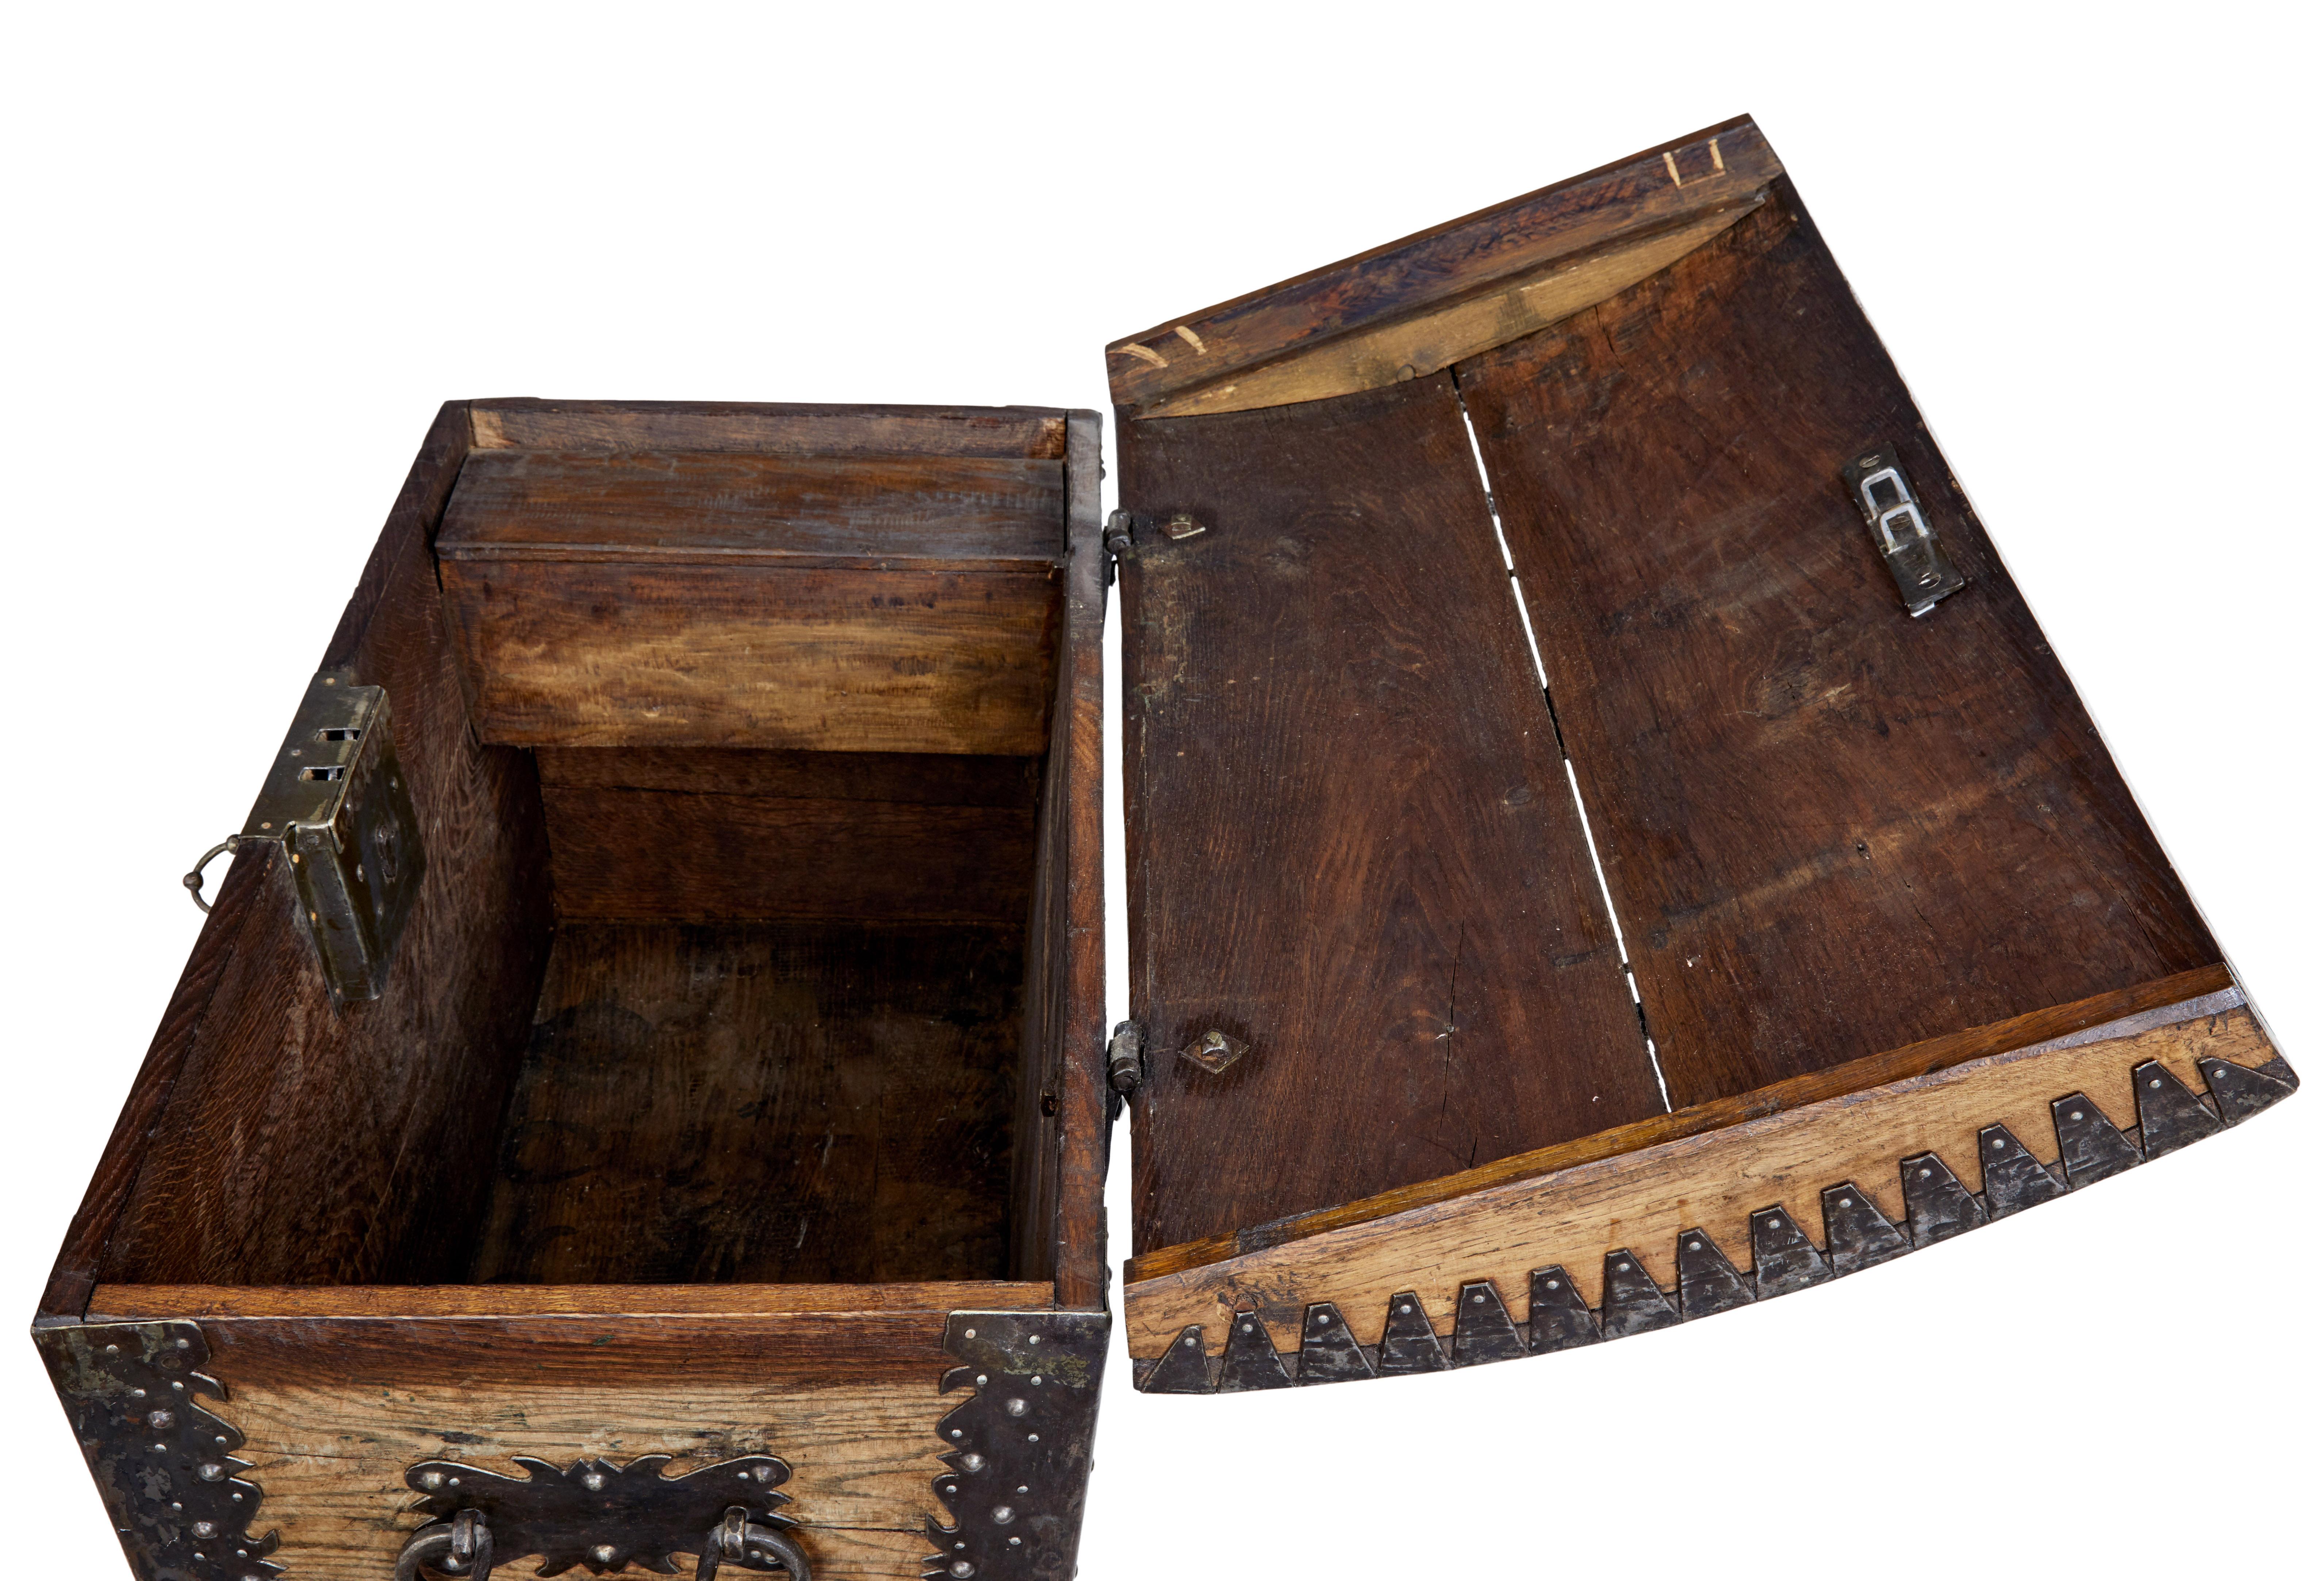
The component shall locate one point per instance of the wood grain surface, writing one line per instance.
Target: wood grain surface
(1024, 432)
(661, 506)
(946, 779)
(762, 1103)
(1920, 1059)
(1829, 828)
(126, 1303)
(1063, 1114)
(688, 856)
(1658, 190)
(1406, 348)
(1643, 1199)
(568, 653)
(337, 1410)
(299, 1141)
(1351, 843)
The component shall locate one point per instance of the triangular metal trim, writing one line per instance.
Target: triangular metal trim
(1557, 1318)
(1634, 1303)
(1482, 1330)
(2241, 1092)
(1407, 1343)
(1707, 1282)
(1249, 1361)
(2088, 1144)
(1937, 1206)
(2014, 1180)
(2169, 1116)
(1328, 1351)
(1782, 1258)
(1857, 1235)
(1182, 1369)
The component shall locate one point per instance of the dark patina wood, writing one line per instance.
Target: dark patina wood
(1830, 828)
(761, 1102)
(1352, 844)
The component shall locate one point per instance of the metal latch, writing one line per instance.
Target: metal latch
(1122, 526)
(1906, 542)
(336, 801)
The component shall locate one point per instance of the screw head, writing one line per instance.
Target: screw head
(206, 1529)
(1003, 1514)
(594, 1481)
(603, 1553)
(210, 1471)
(1016, 1408)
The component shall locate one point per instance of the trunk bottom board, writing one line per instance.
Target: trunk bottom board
(761, 1102)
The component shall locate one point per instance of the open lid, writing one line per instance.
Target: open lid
(1723, 911)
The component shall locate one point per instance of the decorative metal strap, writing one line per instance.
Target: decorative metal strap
(601, 1515)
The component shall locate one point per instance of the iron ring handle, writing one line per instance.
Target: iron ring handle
(193, 880)
(740, 1537)
(436, 1547)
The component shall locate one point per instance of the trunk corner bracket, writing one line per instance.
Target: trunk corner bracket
(163, 1463)
(1017, 1450)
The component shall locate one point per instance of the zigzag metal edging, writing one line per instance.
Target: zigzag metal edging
(1857, 1236)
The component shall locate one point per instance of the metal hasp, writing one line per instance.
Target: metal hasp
(1019, 1449)
(1906, 542)
(337, 803)
(163, 1464)
(601, 1515)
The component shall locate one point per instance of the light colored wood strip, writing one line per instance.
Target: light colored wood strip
(331, 1460)
(2019, 1033)
(1035, 433)
(1644, 1199)
(1417, 347)
(117, 1303)
(614, 654)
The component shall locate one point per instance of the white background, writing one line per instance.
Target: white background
(248, 254)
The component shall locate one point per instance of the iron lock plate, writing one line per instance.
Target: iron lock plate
(337, 802)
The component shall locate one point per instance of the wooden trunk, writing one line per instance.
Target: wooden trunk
(1607, 843)
(717, 1089)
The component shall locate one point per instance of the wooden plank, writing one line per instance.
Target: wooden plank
(1918, 1058)
(1062, 1116)
(130, 1303)
(1083, 1277)
(1031, 433)
(679, 856)
(817, 1103)
(335, 1411)
(1829, 828)
(305, 1143)
(1658, 190)
(1644, 1198)
(947, 779)
(1406, 348)
(590, 654)
(1351, 841)
(670, 506)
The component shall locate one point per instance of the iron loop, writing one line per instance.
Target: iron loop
(738, 1537)
(461, 1546)
(193, 880)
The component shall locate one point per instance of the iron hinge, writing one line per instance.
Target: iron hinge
(1125, 1057)
(1908, 545)
(339, 804)
(1122, 528)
